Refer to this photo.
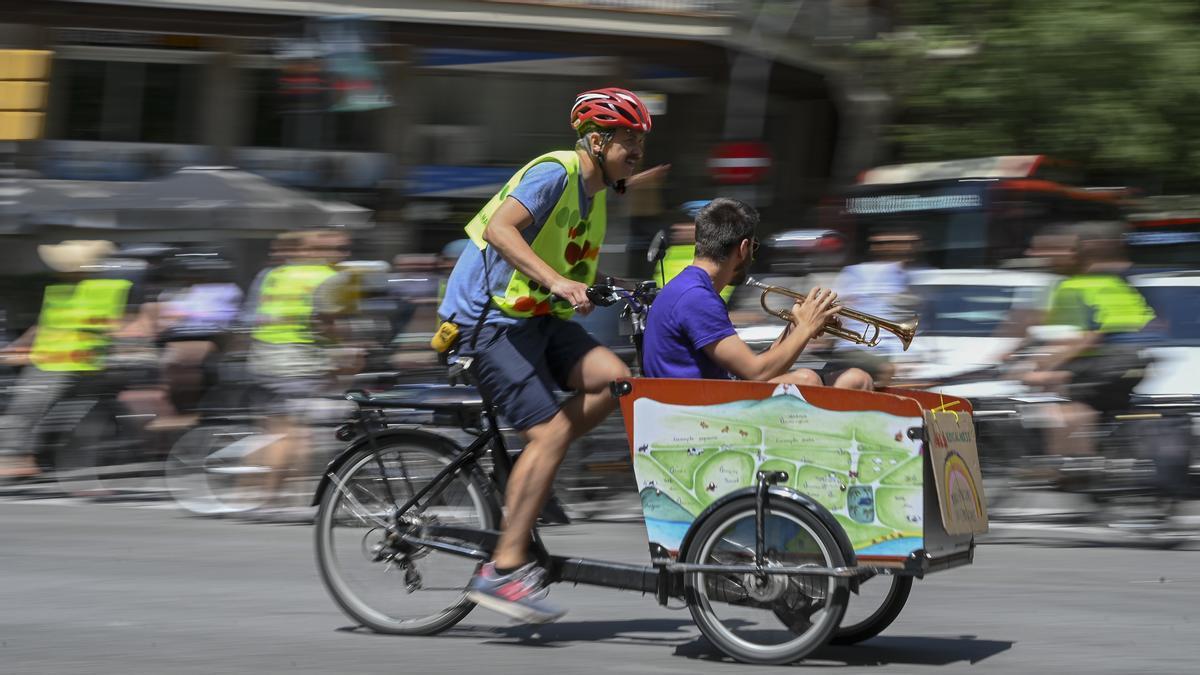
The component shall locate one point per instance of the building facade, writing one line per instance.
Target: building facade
(458, 94)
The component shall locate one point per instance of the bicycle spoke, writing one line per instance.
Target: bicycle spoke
(389, 583)
(357, 508)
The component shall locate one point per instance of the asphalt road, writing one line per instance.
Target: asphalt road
(88, 588)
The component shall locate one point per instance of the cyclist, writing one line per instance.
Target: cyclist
(195, 315)
(80, 316)
(689, 333)
(291, 352)
(532, 256)
(1099, 364)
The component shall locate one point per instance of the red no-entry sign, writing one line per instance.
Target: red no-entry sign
(740, 162)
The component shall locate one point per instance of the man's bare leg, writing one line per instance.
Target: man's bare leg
(1067, 437)
(851, 378)
(546, 445)
(802, 377)
(855, 378)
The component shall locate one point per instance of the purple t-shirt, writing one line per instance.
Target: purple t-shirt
(686, 317)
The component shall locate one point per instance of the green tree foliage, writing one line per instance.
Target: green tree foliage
(1114, 86)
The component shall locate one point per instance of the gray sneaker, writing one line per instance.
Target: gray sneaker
(520, 595)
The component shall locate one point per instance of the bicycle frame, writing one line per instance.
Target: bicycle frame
(647, 579)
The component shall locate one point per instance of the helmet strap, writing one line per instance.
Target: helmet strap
(601, 162)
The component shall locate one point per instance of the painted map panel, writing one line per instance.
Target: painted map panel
(864, 465)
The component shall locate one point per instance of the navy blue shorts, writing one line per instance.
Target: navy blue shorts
(520, 366)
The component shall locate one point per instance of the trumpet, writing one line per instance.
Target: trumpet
(905, 330)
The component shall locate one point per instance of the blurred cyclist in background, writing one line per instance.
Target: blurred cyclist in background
(195, 315)
(290, 353)
(1096, 362)
(80, 315)
(283, 248)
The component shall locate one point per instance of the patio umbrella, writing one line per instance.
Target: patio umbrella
(26, 202)
(208, 198)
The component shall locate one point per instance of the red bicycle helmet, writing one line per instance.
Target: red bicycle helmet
(609, 108)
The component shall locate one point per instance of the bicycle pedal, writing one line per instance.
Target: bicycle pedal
(412, 578)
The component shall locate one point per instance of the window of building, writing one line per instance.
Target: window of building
(291, 109)
(169, 103)
(82, 99)
(125, 101)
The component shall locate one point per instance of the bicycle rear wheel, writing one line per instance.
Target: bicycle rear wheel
(873, 609)
(377, 581)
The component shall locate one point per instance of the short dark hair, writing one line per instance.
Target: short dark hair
(1101, 240)
(721, 226)
(1102, 230)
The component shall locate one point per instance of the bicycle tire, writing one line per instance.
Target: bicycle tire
(481, 500)
(880, 619)
(191, 480)
(825, 597)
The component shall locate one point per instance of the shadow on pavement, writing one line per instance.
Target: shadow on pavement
(650, 632)
(653, 632)
(682, 634)
(879, 651)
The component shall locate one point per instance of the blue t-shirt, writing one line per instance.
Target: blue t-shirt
(478, 272)
(686, 317)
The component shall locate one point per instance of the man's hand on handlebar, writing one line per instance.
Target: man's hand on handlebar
(574, 293)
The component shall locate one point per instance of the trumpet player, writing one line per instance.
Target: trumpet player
(689, 333)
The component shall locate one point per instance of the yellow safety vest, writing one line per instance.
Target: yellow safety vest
(286, 303)
(568, 242)
(1101, 302)
(75, 322)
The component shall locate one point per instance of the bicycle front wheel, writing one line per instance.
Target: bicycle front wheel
(767, 619)
(377, 581)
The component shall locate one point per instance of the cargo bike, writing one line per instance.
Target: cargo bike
(767, 508)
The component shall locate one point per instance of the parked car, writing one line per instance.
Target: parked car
(970, 318)
(1175, 297)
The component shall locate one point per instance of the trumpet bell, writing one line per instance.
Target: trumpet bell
(906, 331)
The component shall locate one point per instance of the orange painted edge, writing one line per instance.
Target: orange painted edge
(898, 402)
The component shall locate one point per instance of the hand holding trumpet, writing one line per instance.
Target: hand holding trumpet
(815, 311)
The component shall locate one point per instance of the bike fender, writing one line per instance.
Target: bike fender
(777, 492)
(386, 435)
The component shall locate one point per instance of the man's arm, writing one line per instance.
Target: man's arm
(647, 177)
(503, 232)
(734, 355)
(16, 353)
(1061, 354)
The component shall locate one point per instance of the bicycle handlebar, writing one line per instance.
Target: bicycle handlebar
(609, 294)
(603, 295)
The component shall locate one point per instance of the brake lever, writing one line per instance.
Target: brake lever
(602, 295)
